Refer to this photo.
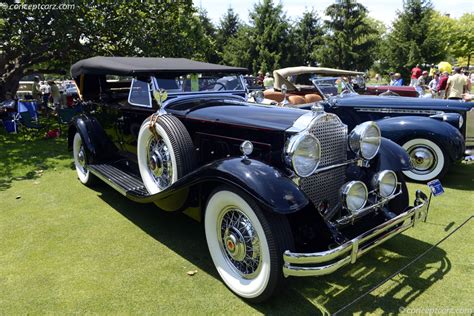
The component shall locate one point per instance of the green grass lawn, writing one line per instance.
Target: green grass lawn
(66, 248)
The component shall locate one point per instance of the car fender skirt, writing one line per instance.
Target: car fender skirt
(267, 185)
(393, 157)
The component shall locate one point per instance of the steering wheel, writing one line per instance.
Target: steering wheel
(221, 86)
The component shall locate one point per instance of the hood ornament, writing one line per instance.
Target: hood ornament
(317, 108)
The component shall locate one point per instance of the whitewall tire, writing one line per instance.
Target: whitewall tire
(428, 160)
(80, 161)
(246, 245)
(164, 159)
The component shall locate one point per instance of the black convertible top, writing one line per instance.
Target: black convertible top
(146, 65)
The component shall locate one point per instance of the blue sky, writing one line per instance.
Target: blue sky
(380, 9)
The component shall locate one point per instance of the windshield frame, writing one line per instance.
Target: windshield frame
(242, 85)
(345, 86)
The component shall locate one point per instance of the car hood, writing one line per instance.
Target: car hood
(247, 115)
(400, 102)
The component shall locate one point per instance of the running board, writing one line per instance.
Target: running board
(124, 182)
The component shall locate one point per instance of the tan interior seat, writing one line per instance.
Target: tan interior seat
(273, 95)
(296, 99)
(312, 97)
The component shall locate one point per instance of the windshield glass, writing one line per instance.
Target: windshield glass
(333, 86)
(192, 83)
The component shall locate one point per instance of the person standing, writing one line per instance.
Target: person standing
(55, 95)
(415, 74)
(397, 80)
(456, 85)
(421, 83)
(433, 85)
(35, 89)
(432, 72)
(46, 92)
(441, 88)
(268, 81)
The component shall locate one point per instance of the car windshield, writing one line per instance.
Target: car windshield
(333, 86)
(194, 82)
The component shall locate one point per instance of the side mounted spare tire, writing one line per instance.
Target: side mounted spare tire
(166, 157)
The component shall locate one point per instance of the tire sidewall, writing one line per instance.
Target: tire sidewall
(82, 173)
(144, 138)
(246, 288)
(440, 158)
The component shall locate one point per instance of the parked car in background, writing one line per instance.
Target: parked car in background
(278, 190)
(402, 91)
(432, 131)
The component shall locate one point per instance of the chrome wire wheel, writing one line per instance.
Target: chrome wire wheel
(160, 163)
(239, 242)
(246, 244)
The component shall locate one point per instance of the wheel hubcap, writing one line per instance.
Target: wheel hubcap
(423, 159)
(81, 157)
(239, 242)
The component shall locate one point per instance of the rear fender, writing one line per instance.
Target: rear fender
(93, 137)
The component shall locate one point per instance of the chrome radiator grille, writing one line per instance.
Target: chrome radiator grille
(324, 186)
(332, 135)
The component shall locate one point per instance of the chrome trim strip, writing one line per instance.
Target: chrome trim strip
(354, 248)
(398, 111)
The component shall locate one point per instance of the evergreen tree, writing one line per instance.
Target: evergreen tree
(228, 27)
(265, 43)
(209, 43)
(414, 38)
(348, 40)
(308, 37)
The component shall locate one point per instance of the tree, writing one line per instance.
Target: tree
(414, 38)
(462, 46)
(308, 37)
(54, 39)
(349, 40)
(228, 27)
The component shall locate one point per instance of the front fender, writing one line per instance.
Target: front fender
(392, 156)
(403, 128)
(267, 185)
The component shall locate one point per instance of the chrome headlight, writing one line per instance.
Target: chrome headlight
(354, 195)
(385, 183)
(461, 121)
(304, 152)
(365, 139)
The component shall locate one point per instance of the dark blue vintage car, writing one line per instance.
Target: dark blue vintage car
(434, 132)
(281, 192)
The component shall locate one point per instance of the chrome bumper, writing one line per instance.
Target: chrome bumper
(326, 262)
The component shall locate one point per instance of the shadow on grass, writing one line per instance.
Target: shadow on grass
(25, 157)
(303, 295)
